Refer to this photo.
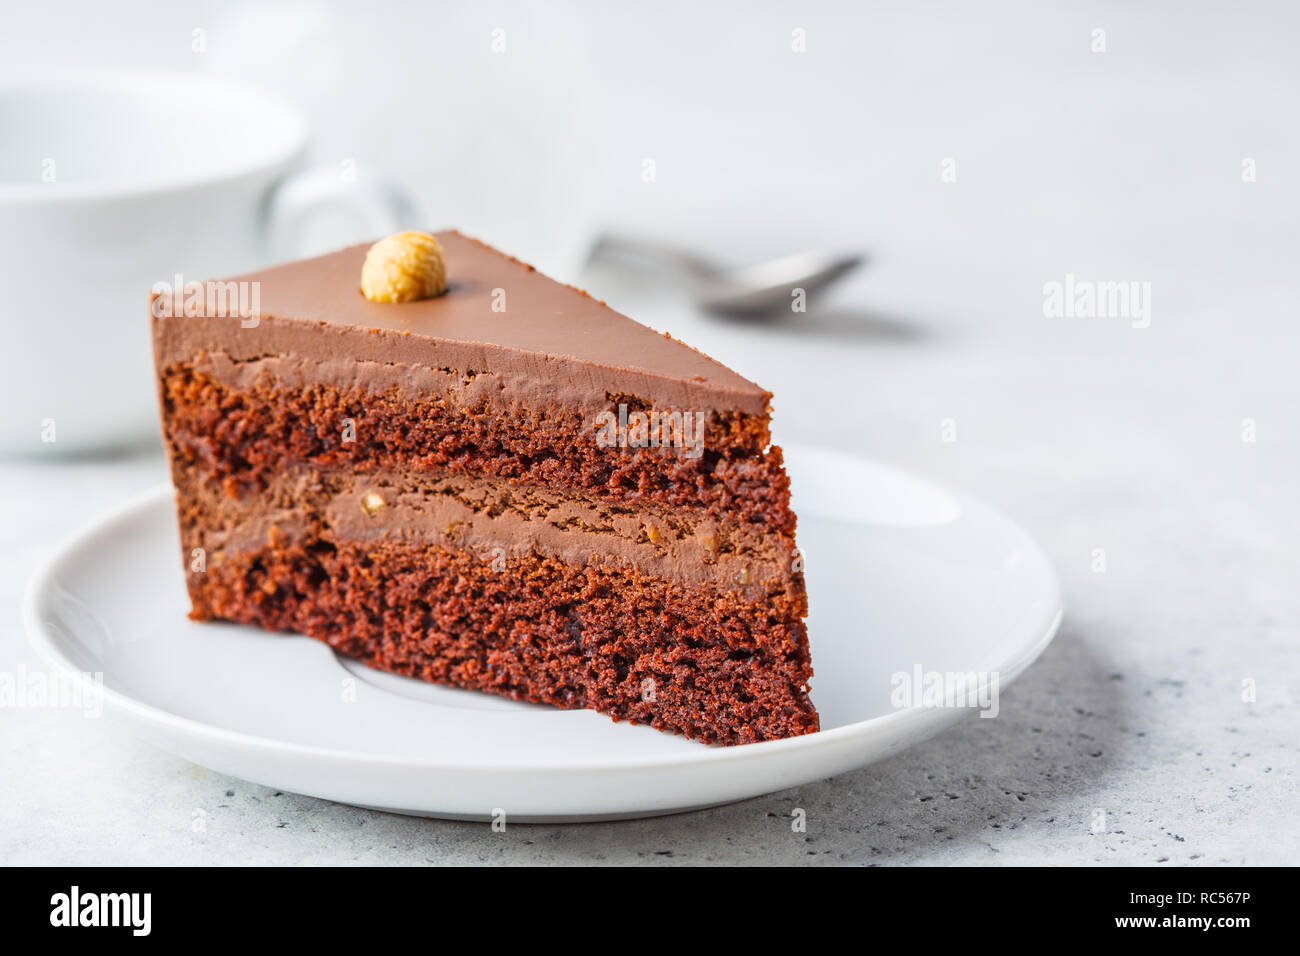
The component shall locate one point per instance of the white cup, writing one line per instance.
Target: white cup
(112, 182)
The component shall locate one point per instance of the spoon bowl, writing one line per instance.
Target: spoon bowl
(768, 286)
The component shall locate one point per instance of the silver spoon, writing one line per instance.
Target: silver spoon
(749, 291)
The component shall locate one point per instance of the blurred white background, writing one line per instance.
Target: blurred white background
(1119, 165)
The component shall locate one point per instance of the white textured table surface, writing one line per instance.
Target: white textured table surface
(1093, 433)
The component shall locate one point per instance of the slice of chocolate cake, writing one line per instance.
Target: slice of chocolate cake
(474, 475)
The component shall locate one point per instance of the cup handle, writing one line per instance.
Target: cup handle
(383, 206)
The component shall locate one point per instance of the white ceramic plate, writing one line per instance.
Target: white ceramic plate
(902, 576)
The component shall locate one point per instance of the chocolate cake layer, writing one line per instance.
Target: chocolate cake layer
(245, 433)
(707, 665)
(494, 518)
(425, 487)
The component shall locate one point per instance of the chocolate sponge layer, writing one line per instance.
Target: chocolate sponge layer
(246, 432)
(711, 666)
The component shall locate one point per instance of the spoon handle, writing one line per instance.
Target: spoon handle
(609, 245)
